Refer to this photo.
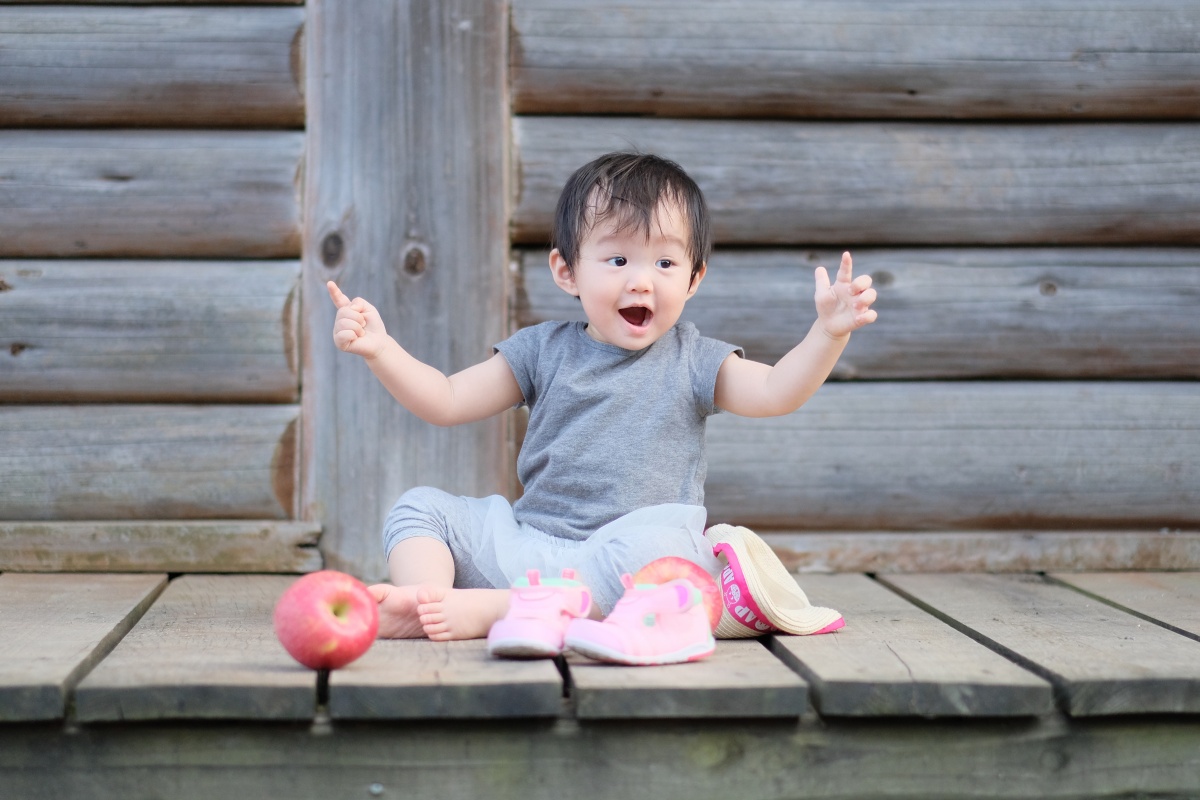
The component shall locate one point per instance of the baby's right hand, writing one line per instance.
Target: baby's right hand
(358, 328)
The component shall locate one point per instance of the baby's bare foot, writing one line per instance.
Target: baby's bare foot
(397, 611)
(448, 614)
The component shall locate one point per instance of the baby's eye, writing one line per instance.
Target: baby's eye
(618, 261)
(665, 263)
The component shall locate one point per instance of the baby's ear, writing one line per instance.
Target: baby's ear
(563, 276)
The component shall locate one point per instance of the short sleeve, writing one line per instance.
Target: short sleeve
(521, 352)
(705, 357)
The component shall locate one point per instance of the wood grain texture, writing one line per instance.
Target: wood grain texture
(420, 679)
(740, 680)
(147, 462)
(150, 194)
(1102, 661)
(205, 650)
(892, 659)
(955, 456)
(830, 58)
(171, 546)
(949, 313)
(137, 331)
(157, 67)
(1114, 759)
(880, 183)
(406, 206)
(1170, 598)
(985, 551)
(57, 627)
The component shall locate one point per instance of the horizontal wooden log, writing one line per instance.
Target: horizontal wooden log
(829, 58)
(176, 67)
(1048, 758)
(1061, 313)
(205, 650)
(147, 462)
(853, 184)
(985, 551)
(166, 546)
(56, 628)
(89, 331)
(223, 194)
(945, 456)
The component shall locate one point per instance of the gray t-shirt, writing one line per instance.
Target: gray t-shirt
(610, 430)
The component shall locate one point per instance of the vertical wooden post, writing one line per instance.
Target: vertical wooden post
(406, 205)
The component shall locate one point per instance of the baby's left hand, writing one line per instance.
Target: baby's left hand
(844, 305)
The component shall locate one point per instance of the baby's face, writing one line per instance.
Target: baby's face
(633, 287)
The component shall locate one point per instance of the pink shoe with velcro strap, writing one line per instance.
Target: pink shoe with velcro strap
(538, 612)
(651, 624)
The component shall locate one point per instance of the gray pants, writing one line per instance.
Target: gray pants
(491, 549)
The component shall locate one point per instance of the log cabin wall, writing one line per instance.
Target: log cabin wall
(150, 241)
(1021, 179)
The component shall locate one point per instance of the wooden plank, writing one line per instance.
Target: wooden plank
(210, 67)
(57, 627)
(955, 456)
(180, 546)
(949, 313)
(687, 760)
(419, 679)
(740, 680)
(1102, 661)
(405, 201)
(205, 650)
(938, 58)
(880, 183)
(103, 331)
(893, 659)
(1171, 599)
(985, 551)
(152, 194)
(147, 462)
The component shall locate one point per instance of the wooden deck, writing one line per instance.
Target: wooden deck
(941, 685)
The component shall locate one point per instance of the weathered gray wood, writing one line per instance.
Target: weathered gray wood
(147, 462)
(205, 650)
(857, 184)
(212, 194)
(985, 551)
(689, 760)
(1102, 661)
(57, 627)
(950, 313)
(405, 203)
(1169, 598)
(181, 546)
(420, 679)
(740, 680)
(211, 67)
(953, 456)
(892, 659)
(938, 58)
(94, 331)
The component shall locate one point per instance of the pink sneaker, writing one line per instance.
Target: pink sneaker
(651, 624)
(538, 613)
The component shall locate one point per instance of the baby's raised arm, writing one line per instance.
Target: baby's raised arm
(752, 389)
(473, 394)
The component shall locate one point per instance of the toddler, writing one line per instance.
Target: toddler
(613, 461)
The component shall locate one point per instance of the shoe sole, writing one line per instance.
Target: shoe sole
(521, 648)
(601, 653)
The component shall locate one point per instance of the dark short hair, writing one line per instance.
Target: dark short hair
(627, 188)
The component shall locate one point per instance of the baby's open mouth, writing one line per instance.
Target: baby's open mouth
(638, 316)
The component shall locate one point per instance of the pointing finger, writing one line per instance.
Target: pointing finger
(335, 294)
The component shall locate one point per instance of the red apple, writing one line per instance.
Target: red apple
(326, 619)
(669, 568)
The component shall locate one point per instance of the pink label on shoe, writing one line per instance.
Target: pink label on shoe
(736, 594)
